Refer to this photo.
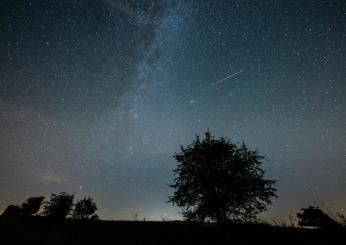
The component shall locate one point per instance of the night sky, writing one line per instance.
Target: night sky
(97, 95)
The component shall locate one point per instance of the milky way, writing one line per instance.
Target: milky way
(96, 96)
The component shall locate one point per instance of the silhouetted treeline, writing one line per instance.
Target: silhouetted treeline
(58, 207)
(215, 181)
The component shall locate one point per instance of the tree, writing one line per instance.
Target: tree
(218, 181)
(12, 210)
(32, 205)
(85, 209)
(59, 206)
(314, 216)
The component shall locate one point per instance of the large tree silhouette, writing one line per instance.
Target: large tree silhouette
(217, 180)
(59, 206)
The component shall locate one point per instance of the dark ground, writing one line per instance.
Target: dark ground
(36, 230)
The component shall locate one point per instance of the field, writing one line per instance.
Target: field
(36, 230)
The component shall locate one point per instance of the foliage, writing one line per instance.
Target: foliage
(12, 210)
(341, 219)
(59, 206)
(314, 216)
(85, 209)
(218, 181)
(32, 205)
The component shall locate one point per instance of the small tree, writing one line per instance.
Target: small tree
(59, 206)
(85, 209)
(314, 216)
(218, 181)
(32, 205)
(12, 210)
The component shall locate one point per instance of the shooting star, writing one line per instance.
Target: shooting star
(195, 100)
(223, 79)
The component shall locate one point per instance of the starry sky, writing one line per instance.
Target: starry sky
(97, 95)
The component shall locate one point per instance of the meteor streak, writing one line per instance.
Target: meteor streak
(223, 79)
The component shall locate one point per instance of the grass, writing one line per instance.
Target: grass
(38, 230)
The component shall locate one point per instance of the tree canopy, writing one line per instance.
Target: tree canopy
(59, 206)
(32, 205)
(217, 180)
(12, 210)
(314, 216)
(85, 209)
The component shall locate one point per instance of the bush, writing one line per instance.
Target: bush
(315, 217)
